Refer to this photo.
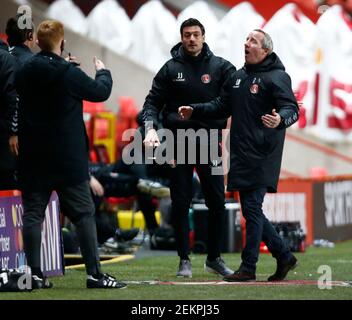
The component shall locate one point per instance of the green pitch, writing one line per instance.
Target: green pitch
(163, 269)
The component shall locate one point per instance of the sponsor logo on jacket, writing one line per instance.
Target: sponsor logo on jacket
(206, 78)
(179, 77)
(254, 88)
(237, 84)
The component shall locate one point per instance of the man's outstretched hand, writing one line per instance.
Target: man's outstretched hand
(99, 65)
(151, 138)
(185, 112)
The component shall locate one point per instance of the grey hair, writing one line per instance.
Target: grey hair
(267, 42)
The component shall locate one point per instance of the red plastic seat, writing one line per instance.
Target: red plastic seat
(93, 107)
(318, 172)
(3, 37)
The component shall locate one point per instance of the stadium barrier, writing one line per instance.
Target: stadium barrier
(11, 241)
(323, 206)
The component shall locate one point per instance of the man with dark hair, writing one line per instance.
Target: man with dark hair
(257, 141)
(21, 42)
(53, 151)
(17, 36)
(7, 105)
(193, 74)
(191, 22)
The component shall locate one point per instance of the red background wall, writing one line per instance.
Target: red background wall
(268, 8)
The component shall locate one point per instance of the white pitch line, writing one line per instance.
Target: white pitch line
(251, 283)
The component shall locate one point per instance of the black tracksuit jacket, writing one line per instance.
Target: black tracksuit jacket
(22, 54)
(183, 80)
(256, 151)
(7, 104)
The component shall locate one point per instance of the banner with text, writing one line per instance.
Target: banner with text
(11, 239)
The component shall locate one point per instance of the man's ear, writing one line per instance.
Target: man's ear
(30, 36)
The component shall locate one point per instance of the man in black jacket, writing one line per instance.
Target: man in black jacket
(257, 140)
(7, 103)
(21, 42)
(193, 74)
(53, 151)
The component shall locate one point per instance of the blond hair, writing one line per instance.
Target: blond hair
(49, 34)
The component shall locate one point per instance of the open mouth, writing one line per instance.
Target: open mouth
(246, 52)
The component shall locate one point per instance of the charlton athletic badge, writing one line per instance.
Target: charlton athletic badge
(206, 78)
(254, 88)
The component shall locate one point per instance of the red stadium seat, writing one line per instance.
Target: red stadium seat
(318, 172)
(3, 37)
(93, 107)
(101, 128)
(126, 119)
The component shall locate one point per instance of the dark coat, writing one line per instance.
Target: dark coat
(7, 103)
(21, 54)
(52, 135)
(184, 80)
(256, 151)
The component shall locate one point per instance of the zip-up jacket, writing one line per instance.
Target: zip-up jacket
(256, 151)
(183, 80)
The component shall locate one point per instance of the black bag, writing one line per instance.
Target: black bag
(14, 281)
(163, 239)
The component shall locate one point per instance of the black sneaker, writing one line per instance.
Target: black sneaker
(126, 235)
(105, 282)
(283, 268)
(240, 276)
(113, 246)
(41, 283)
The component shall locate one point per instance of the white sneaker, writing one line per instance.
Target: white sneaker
(184, 269)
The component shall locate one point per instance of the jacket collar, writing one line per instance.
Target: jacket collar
(51, 55)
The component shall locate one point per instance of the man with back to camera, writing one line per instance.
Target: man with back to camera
(21, 41)
(193, 74)
(7, 104)
(53, 152)
(257, 140)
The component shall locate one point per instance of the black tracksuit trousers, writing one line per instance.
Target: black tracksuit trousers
(181, 196)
